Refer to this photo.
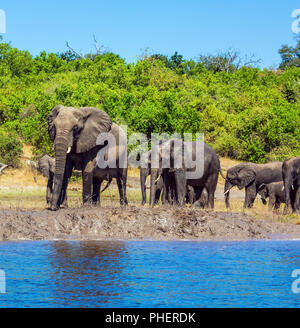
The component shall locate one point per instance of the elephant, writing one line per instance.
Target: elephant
(291, 180)
(275, 192)
(75, 133)
(177, 179)
(190, 197)
(145, 171)
(251, 176)
(46, 166)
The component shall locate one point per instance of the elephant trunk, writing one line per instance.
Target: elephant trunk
(60, 163)
(227, 188)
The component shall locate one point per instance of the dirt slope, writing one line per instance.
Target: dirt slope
(136, 223)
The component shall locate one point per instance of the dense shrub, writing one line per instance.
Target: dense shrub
(10, 148)
(245, 113)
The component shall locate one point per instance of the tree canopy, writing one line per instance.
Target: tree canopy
(246, 113)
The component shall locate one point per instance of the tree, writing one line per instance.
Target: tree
(228, 61)
(290, 56)
(68, 56)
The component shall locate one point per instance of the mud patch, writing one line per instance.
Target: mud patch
(136, 223)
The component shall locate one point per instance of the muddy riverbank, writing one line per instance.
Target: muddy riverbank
(137, 223)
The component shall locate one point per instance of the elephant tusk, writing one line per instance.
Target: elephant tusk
(292, 187)
(226, 192)
(282, 188)
(157, 179)
(69, 150)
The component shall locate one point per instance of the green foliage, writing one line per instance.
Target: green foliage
(10, 148)
(290, 56)
(246, 113)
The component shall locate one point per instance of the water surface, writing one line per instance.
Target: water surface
(149, 274)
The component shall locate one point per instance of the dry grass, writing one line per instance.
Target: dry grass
(25, 188)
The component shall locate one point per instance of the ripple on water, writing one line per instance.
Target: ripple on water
(149, 274)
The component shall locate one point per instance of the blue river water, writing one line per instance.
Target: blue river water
(149, 274)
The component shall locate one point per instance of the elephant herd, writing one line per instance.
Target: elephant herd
(278, 181)
(185, 179)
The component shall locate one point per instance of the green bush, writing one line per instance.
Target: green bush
(247, 114)
(10, 148)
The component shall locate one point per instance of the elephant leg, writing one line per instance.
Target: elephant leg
(143, 177)
(297, 200)
(63, 201)
(190, 195)
(124, 181)
(96, 191)
(250, 196)
(287, 189)
(293, 199)
(121, 187)
(211, 199)
(272, 202)
(277, 204)
(173, 194)
(180, 182)
(198, 193)
(87, 181)
(163, 196)
(157, 196)
(49, 190)
(211, 186)
(166, 188)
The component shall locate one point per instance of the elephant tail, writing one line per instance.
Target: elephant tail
(222, 174)
(107, 186)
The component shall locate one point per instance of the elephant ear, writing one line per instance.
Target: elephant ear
(262, 189)
(52, 165)
(52, 116)
(96, 121)
(246, 175)
(44, 167)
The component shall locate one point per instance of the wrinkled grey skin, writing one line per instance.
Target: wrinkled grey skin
(46, 166)
(291, 180)
(251, 176)
(74, 132)
(145, 171)
(275, 192)
(119, 173)
(176, 180)
(190, 197)
(169, 186)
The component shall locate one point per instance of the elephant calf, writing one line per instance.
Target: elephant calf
(202, 202)
(46, 166)
(251, 176)
(275, 192)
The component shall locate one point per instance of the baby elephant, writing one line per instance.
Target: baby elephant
(46, 166)
(275, 192)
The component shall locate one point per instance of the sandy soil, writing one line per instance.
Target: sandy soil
(23, 215)
(137, 223)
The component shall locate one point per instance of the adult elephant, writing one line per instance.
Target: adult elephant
(177, 178)
(74, 132)
(145, 171)
(291, 180)
(251, 176)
